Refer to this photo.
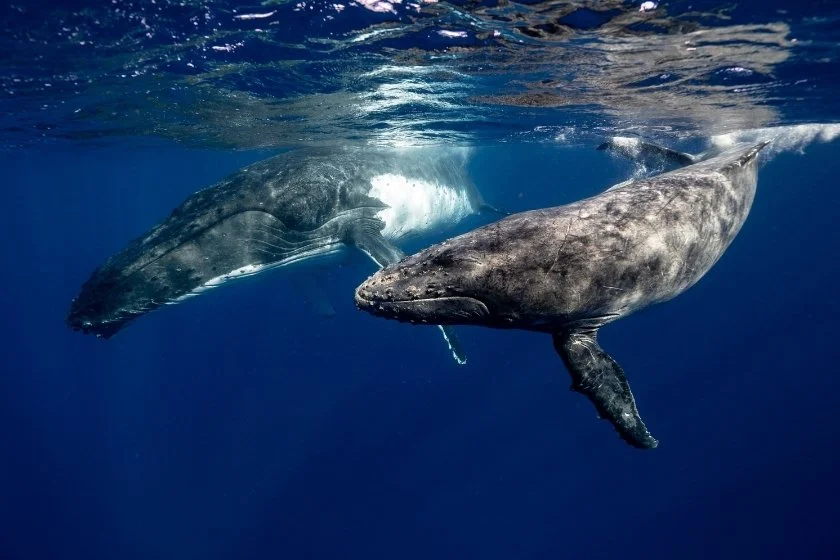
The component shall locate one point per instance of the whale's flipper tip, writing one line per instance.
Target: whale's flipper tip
(368, 239)
(454, 344)
(596, 375)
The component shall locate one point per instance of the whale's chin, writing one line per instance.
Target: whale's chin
(100, 329)
(438, 311)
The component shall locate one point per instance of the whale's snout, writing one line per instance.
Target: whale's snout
(417, 292)
(91, 316)
(100, 330)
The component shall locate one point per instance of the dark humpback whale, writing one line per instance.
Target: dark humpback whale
(572, 269)
(294, 207)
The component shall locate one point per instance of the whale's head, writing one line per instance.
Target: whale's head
(459, 281)
(233, 230)
(105, 304)
(148, 275)
(181, 258)
(492, 276)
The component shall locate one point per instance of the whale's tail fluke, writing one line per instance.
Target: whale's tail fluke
(753, 152)
(636, 150)
(789, 138)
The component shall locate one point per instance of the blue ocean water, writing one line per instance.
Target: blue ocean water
(240, 424)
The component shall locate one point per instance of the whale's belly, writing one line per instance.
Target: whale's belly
(418, 206)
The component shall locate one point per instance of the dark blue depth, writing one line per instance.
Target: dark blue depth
(242, 425)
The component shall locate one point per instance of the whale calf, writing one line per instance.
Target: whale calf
(569, 270)
(292, 208)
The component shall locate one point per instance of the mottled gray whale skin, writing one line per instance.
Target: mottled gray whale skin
(284, 210)
(571, 269)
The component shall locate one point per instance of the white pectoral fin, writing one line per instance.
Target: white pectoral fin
(370, 241)
(454, 344)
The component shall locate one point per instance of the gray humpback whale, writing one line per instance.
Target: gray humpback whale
(294, 207)
(572, 269)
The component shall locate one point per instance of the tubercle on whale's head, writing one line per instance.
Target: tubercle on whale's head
(441, 285)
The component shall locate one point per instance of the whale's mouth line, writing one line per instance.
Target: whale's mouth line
(367, 301)
(438, 310)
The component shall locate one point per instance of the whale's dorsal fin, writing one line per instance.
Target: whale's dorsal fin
(635, 149)
(369, 240)
(596, 375)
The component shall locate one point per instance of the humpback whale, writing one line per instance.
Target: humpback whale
(288, 209)
(569, 270)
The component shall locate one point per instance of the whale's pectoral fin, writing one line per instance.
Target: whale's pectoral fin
(366, 236)
(454, 344)
(637, 150)
(596, 375)
(369, 240)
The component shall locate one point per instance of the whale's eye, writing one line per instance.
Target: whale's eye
(446, 258)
